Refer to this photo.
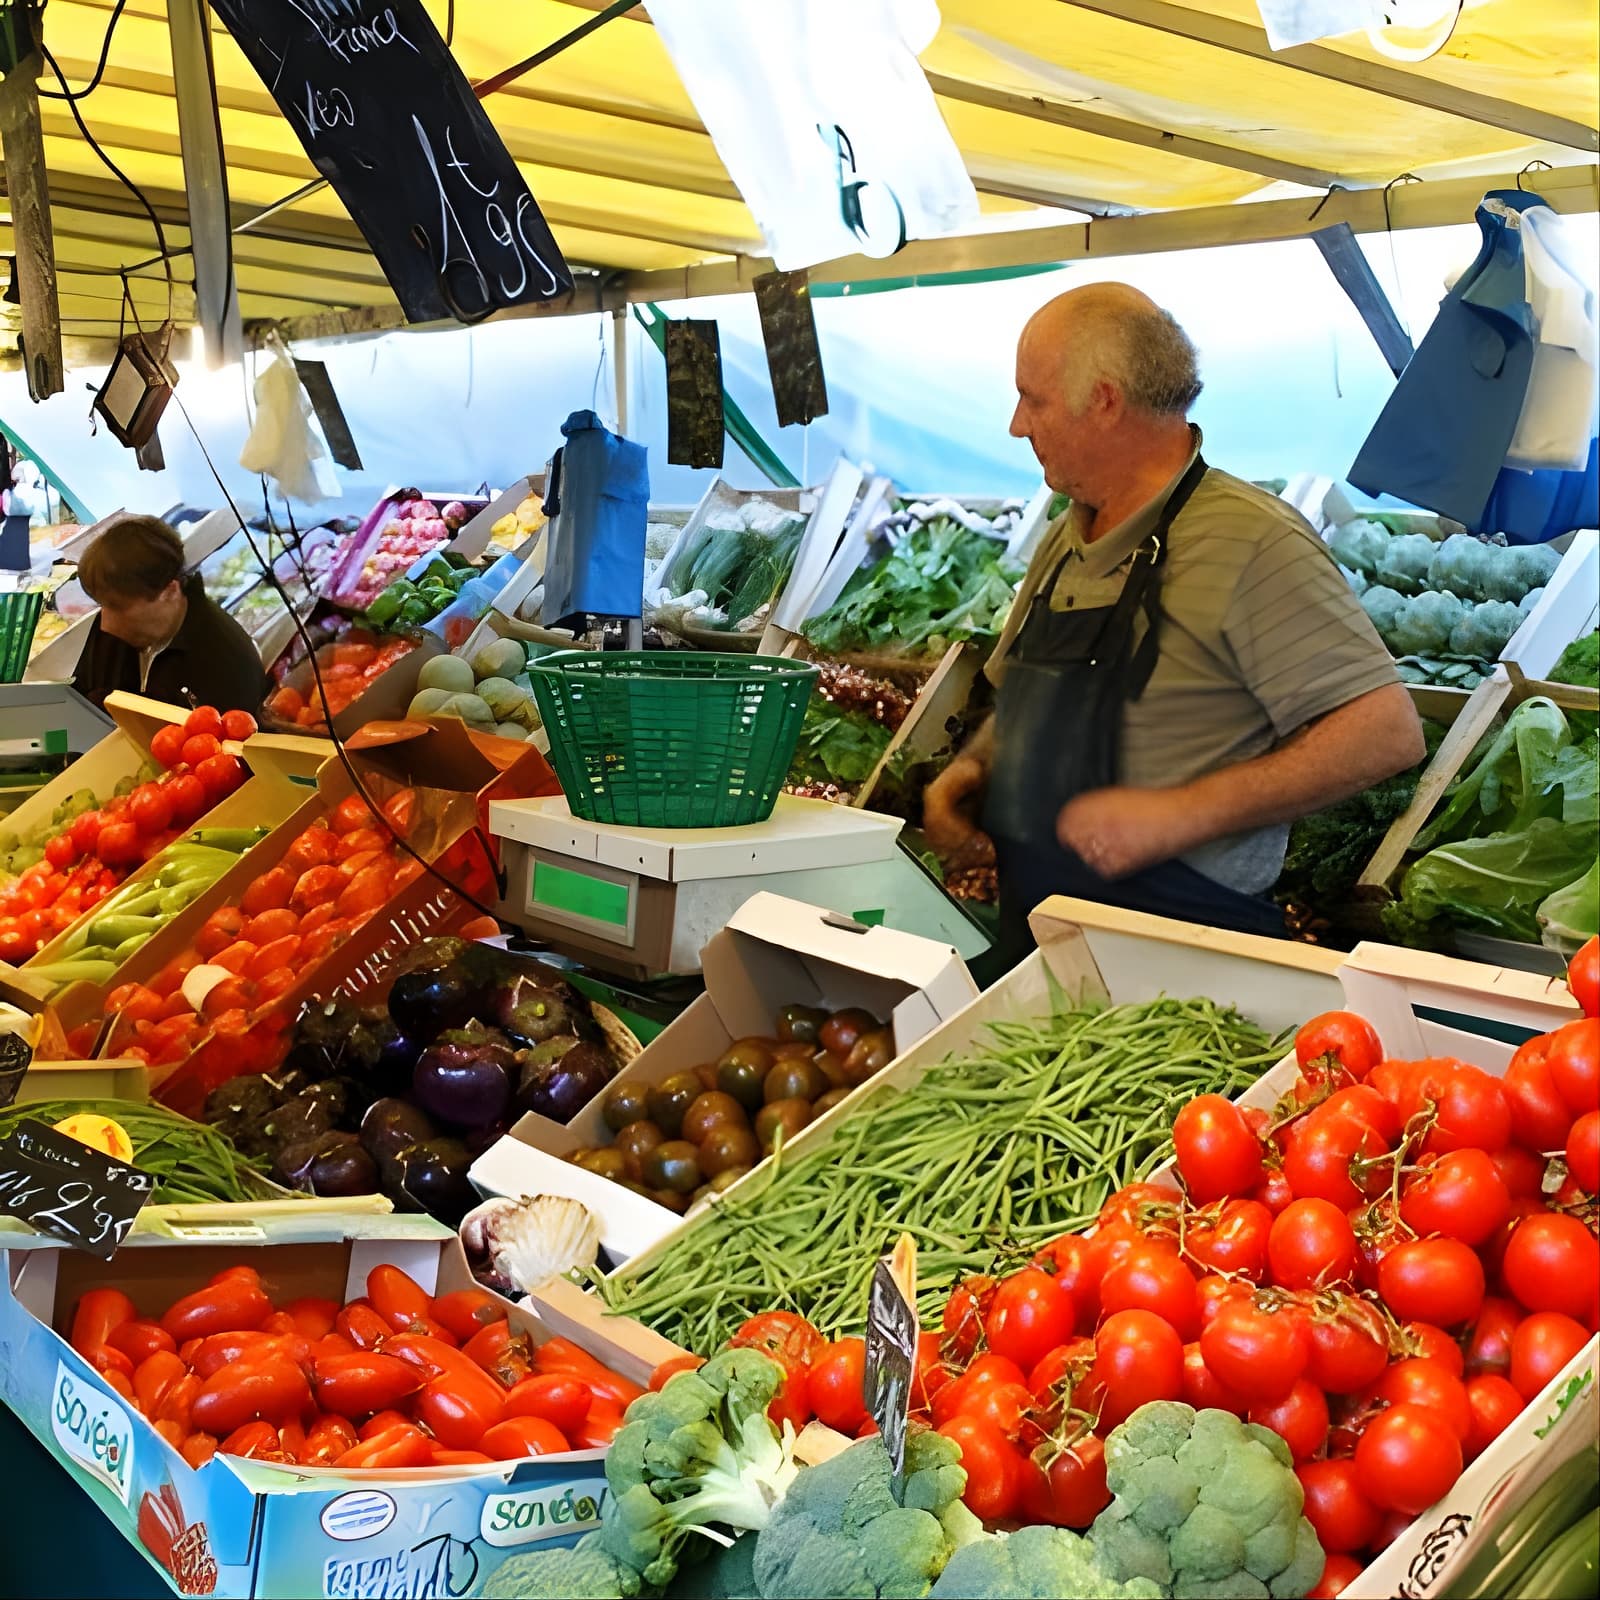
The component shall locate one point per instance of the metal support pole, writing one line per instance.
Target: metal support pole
(619, 364)
(205, 179)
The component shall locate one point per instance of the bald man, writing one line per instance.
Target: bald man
(1184, 672)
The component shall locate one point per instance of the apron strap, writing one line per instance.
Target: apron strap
(1143, 588)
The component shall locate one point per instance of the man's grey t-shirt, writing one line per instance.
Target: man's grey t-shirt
(1260, 635)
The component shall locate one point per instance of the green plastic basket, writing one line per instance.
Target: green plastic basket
(19, 616)
(671, 739)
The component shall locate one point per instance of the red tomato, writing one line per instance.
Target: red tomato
(834, 1385)
(1300, 1418)
(1583, 978)
(1138, 1358)
(219, 930)
(269, 892)
(1231, 1239)
(994, 1469)
(1539, 1115)
(1418, 1381)
(1003, 1404)
(953, 1396)
(118, 844)
(1542, 1345)
(200, 747)
(220, 775)
(930, 1374)
(1153, 1278)
(151, 809)
(1348, 1345)
(316, 886)
(203, 719)
(1030, 1314)
(1201, 1388)
(1144, 1206)
(1461, 1195)
(559, 1397)
(1552, 1263)
(964, 1314)
(167, 745)
(1472, 1113)
(1344, 1518)
(1066, 1488)
(517, 1437)
(1212, 1291)
(1065, 1259)
(1583, 1152)
(187, 797)
(1363, 1102)
(1311, 1246)
(1434, 1280)
(1407, 1458)
(1351, 1040)
(364, 893)
(1489, 1342)
(351, 813)
(1574, 1063)
(1494, 1404)
(1217, 1153)
(1322, 1150)
(1256, 1349)
(1054, 1377)
(238, 726)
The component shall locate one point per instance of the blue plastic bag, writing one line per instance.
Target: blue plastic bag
(1532, 507)
(597, 500)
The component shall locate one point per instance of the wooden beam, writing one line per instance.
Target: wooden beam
(1243, 38)
(1082, 120)
(28, 188)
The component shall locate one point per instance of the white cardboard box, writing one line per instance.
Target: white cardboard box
(774, 952)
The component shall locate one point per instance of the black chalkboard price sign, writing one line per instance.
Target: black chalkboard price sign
(61, 1187)
(389, 119)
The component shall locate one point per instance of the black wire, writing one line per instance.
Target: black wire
(74, 95)
(327, 711)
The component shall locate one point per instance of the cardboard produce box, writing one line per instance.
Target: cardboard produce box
(252, 1529)
(773, 953)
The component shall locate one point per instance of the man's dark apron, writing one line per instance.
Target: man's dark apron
(1058, 732)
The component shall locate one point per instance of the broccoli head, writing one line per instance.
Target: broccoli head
(841, 1532)
(1035, 1563)
(1205, 1505)
(1405, 563)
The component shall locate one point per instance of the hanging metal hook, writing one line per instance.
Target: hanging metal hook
(1405, 177)
(1333, 189)
(1536, 165)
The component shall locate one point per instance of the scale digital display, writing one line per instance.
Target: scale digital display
(576, 894)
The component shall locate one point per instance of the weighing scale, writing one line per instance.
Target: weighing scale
(43, 726)
(641, 902)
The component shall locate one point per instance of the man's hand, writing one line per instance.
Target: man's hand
(946, 822)
(1119, 830)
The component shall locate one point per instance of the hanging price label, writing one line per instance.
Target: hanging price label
(892, 1351)
(16, 1056)
(61, 1187)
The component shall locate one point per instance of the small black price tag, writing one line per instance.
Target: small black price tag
(59, 1186)
(16, 1056)
(794, 358)
(892, 1352)
(695, 427)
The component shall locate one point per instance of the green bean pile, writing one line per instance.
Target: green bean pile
(191, 1163)
(985, 1156)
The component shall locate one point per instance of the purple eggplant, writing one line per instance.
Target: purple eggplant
(390, 1125)
(559, 1089)
(433, 1175)
(427, 1003)
(464, 1078)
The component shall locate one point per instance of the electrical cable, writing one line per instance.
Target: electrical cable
(74, 95)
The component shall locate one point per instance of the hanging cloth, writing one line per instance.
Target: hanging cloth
(1533, 507)
(283, 445)
(1443, 436)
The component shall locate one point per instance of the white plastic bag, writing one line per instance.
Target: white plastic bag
(283, 445)
(1292, 22)
(818, 106)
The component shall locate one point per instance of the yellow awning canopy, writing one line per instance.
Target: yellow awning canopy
(1155, 119)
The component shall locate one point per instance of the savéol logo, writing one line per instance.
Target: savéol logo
(94, 1430)
(544, 1511)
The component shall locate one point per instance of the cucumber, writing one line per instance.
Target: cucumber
(61, 973)
(143, 904)
(119, 927)
(1502, 1555)
(128, 946)
(234, 841)
(173, 900)
(1570, 1569)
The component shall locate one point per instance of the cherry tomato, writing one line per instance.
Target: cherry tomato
(1434, 1280)
(1539, 1116)
(1311, 1246)
(1300, 1419)
(521, 1436)
(1574, 1064)
(151, 809)
(1153, 1278)
(1138, 1358)
(1230, 1239)
(994, 1469)
(1494, 1404)
(1461, 1195)
(1344, 1518)
(1542, 1345)
(166, 746)
(1420, 1382)
(1552, 1263)
(1256, 1349)
(1583, 977)
(200, 747)
(1351, 1040)
(1407, 1458)
(1218, 1155)
(1066, 1487)
(1031, 1313)
(237, 726)
(203, 720)
(834, 1385)
(1201, 1387)
(187, 797)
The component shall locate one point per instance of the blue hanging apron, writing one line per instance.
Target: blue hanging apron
(1058, 734)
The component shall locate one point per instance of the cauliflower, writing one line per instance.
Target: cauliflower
(1035, 1563)
(1406, 562)
(1422, 626)
(1530, 600)
(581, 1573)
(1382, 604)
(1204, 1504)
(840, 1531)
(1461, 565)
(1485, 630)
(1359, 545)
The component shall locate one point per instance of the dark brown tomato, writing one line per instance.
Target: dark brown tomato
(636, 1141)
(674, 1164)
(794, 1080)
(728, 1145)
(625, 1103)
(785, 1116)
(712, 1110)
(671, 1098)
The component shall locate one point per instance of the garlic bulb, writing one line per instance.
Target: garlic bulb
(513, 1246)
